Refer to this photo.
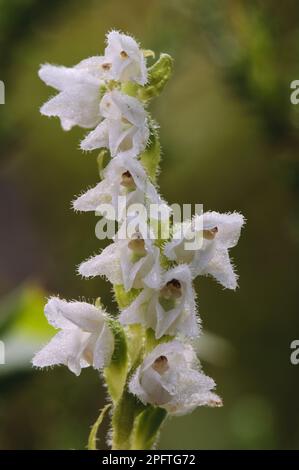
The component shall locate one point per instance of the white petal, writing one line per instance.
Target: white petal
(136, 389)
(153, 278)
(64, 78)
(103, 349)
(93, 66)
(86, 316)
(54, 313)
(65, 349)
(222, 270)
(132, 67)
(78, 105)
(105, 264)
(92, 198)
(97, 138)
(229, 226)
(66, 315)
(137, 311)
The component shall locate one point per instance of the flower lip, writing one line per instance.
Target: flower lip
(172, 289)
(160, 365)
(137, 244)
(106, 66)
(127, 180)
(210, 234)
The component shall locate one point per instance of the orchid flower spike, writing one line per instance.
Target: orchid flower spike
(145, 348)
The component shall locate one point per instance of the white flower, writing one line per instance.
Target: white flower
(78, 102)
(124, 59)
(134, 263)
(84, 339)
(209, 254)
(124, 177)
(170, 378)
(124, 129)
(168, 310)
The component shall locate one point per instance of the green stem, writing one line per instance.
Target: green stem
(123, 420)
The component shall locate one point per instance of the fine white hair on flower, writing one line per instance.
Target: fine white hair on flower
(124, 129)
(124, 184)
(169, 309)
(170, 377)
(124, 60)
(84, 338)
(204, 244)
(78, 100)
(135, 263)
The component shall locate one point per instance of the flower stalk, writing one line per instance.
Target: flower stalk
(145, 352)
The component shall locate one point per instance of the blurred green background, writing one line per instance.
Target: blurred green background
(230, 140)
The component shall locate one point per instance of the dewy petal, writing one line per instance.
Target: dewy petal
(105, 264)
(97, 138)
(64, 349)
(79, 97)
(78, 105)
(221, 268)
(92, 198)
(94, 66)
(67, 315)
(84, 315)
(63, 78)
(54, 313)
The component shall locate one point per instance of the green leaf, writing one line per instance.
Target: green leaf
(92, 439)
(116, 373)
(158, 75)
(146, 428)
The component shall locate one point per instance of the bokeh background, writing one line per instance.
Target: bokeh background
(230, 139)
